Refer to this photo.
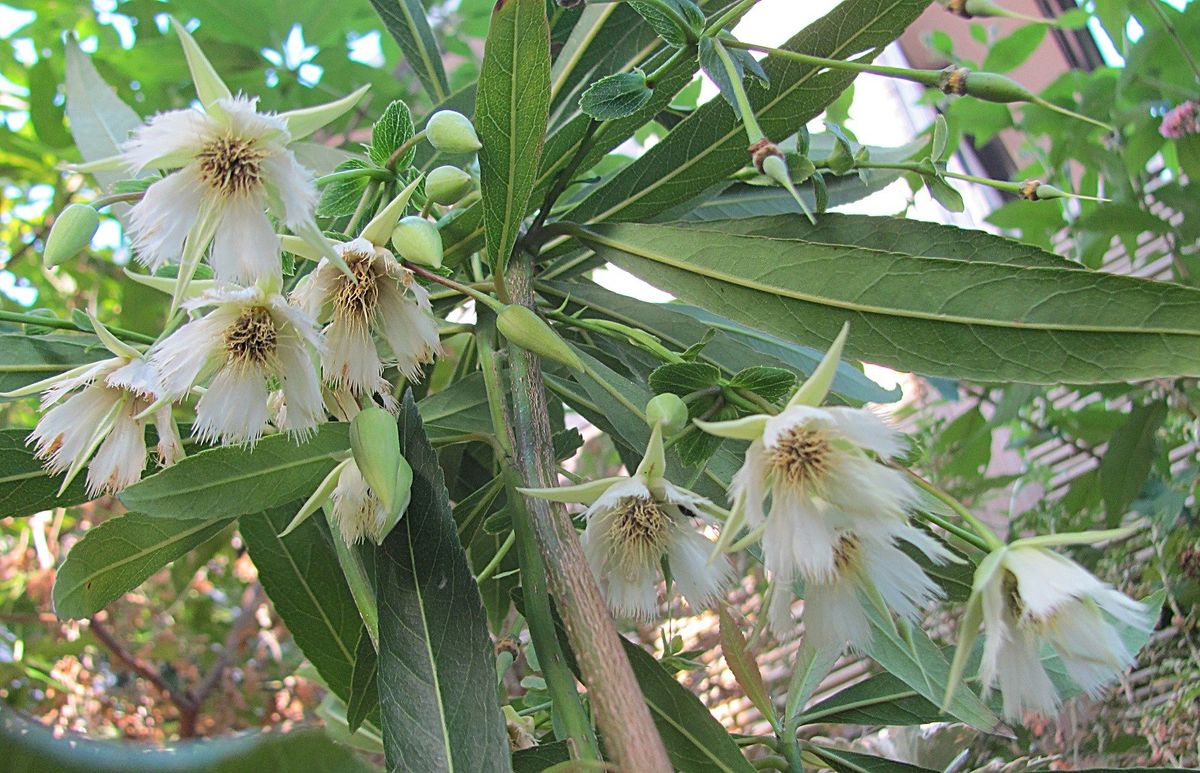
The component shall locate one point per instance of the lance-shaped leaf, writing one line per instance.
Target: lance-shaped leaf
(100, 121)
(709, 145)
(744, 667)
(405, 19)
(301, 574)
(230, 481)
(510, 116)
(26, 359)
(118, 555)
(933, 315)
(436, 667)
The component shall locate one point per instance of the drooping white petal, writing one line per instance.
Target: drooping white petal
(301, 387)
(246, 247)
(190, 353)
(1023, 681)
(121, 458)
(898, 578)
(701, 581)
(866, 429)
(64, 433)
(170, 445)
(137, 376)
(1046, 581)
(351, 359)
(292, 185)
(833, 615)
(234, 409)
(748, 488)
(800, 536)
(409, 330)
(357, 511)
(160, 222)
(866, 490)
(168, 141)
(242, 119)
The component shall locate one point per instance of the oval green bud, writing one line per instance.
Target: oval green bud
(70, 234)
(530, 332)
(418, 240)
(375, 442)
(446, 185)
(452, 132)
(404, 477)
(994, 87)
(668, 410)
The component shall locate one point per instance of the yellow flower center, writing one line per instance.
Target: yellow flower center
(232, 165)
(354, 301)
(802, 456)
(639, 534)
(252, 339)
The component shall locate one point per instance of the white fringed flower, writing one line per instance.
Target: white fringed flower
(1026, 594)
(357, 511)
(92, 413)
(632, 524)
(835, 511)
(382, 299)
(251, 340)
(233, 168)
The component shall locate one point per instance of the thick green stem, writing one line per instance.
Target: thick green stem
(924, 77)
(364, 204)
(351, 174)
(617, 702)
(568, 707)
(404, 147)
(732, 15)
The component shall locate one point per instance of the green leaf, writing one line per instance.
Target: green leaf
(118, 555)
(27, 359)
(744, 667)
(616, 96)
(843, 761)
(944, 193)
(510, 116)
(341, 198)
(733, 348)
(393, 129)
(683, 378)
(231, 481)
(772, 383)
(437, 672)
(301, 574)
(405, 20)
(710, 144)
(1128, 459)
(911, 656)
(540, 757)
(667, 24)
(1014, 49)
(364, 690)
(100, 122)
(937, 316)
(30, 747)
(695, 741)
(45, 113)
(460, 409)
(25, 487)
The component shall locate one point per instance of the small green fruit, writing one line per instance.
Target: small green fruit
(452, 132)
(70, 234)
(446, 185)
(668, 410)
(527, 330)
(417, 240)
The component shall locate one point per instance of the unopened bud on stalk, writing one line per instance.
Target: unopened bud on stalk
(994, 87)
(417, 240)
(71, 232)
(527, 330)
(769, 160)
(446, 185)
(452, 132)
(668, 410)
(1036, 190)
(375, 441)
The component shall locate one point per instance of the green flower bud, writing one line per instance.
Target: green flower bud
(451, 132)
(527, 330)
(375, 441)
(994, 87)
(71, 232)
(418, 240)
(447, 184)
(668, 410)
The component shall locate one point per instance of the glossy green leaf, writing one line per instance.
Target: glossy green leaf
(616, 96)
(405, 20)
(119, 554)
(772, 383)
(937, 316)
(436, 665)
(744, 667)
(301, 574)
(25, 487)
(1128, 459)
(510, 115)
(230, 481)
(710, 144)
(683, 378)
(30, 747)
(342, 197)
(674, 23)
(393, 128)
(364, 688)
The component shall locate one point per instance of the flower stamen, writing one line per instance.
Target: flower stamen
(802, 455)
(252, 339)
(355, 300)
(232, 165)
(639, 534)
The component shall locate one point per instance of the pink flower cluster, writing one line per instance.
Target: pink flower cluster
(1181, 121)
